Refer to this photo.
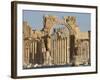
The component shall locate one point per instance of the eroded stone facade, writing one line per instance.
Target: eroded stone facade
(64, 46)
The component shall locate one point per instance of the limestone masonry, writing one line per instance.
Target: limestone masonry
(55, 46)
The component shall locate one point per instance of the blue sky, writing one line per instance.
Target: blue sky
(35, 18)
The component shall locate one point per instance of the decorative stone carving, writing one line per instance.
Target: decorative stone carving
(69, 46)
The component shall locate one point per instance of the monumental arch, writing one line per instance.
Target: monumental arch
(70, 23)
(62, 49)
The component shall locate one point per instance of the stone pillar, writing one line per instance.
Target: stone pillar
(24, 53)
(72, 47)
(62, 52)
(81, 50)
(68, 49)
(89, 35)
(56, 51)
(52, 50)
(65, 47)
(35, 47)
(59, 52)
(27, 56)
(59, 58)
(33, 51)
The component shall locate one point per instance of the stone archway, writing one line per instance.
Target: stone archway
(41, 52)
(70, 23)
(50, 21)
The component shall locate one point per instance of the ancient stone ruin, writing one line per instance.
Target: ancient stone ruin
(63, 46)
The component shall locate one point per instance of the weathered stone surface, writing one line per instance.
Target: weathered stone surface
(71, 47)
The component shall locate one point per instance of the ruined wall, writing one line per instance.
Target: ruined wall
(27, 36)
(68, 50)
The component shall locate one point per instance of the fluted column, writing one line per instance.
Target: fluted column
(57, 52)
(28, 50)
(62, 52)
(35, 47)
(33, 51)
(65, 50)
(68, 49)
(54, 50)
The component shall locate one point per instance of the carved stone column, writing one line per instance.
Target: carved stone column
(72, 47)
